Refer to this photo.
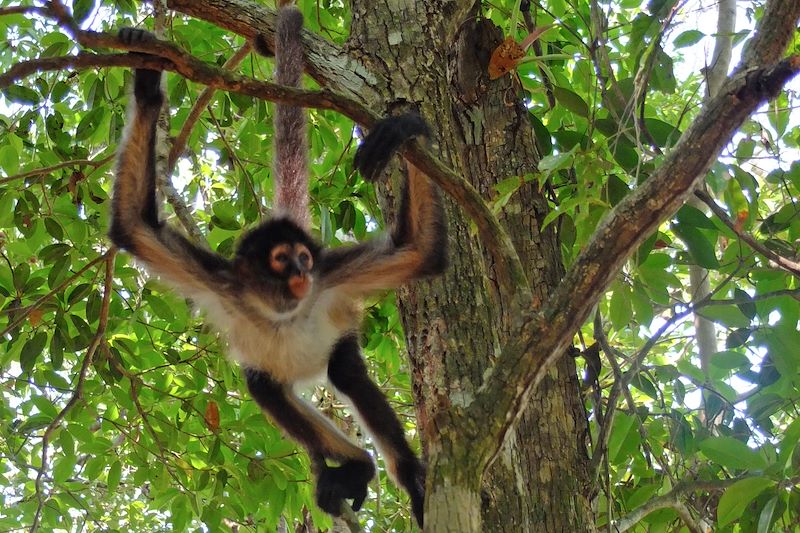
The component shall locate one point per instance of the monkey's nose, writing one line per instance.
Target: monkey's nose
(299, 285)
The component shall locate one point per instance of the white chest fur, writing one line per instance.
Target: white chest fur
(293, 348)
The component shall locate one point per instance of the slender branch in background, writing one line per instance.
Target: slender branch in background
(601, 445)
(179, 144)
(23, 315)
(699, 277)
(530, 25)
(22, 10)
(77, 395)
(673, 497)
(58, 166)
(788, 265)
(232, 153)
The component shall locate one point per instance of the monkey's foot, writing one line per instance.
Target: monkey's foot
(338, 483)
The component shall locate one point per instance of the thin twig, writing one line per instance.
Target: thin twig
(790, 266)
(53, 168)
(77, 395)
(38, 303)
(179, 144)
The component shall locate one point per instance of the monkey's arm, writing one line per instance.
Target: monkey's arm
(135, 225)
(418, 244)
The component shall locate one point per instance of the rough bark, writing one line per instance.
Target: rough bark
(455, 326)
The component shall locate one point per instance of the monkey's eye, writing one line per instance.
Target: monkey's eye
(279, 258)
(303, 255)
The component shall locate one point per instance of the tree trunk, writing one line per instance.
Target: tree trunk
(434, 58)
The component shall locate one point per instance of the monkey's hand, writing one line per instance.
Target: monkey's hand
(384, 139)
(147, 83)
(338, 483)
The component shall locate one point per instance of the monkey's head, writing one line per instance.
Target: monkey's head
(279, 258)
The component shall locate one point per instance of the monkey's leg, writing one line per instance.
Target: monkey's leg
(322, 440)
(348, 373)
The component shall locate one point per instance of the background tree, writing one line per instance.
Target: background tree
(565, 178)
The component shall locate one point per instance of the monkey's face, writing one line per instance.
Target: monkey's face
(292, 262)
(278, 260)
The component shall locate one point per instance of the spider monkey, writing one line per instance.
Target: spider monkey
(290, 307)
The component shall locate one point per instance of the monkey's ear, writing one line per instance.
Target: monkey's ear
(384, 139)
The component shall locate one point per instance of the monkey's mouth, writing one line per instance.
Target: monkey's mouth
(299, 286)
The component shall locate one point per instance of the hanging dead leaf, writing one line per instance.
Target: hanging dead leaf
(741, 218)
(212, 415)
(508, 55)
(35, 317)
(505, 58)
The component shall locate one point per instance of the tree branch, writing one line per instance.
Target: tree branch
(542, 337)
(327, 63)
(58, 166)
(21, 317)
(672, 499)
(78, 393)
(790, 266)
(511, 275)
(179, 144)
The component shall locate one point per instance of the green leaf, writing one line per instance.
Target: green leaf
(81, 9)
(732, 453)
(32, 350)
(20, 94)
(727, 315)
(700, 248)
(738, 337)
(79, 293)
(747, 307)
(571, 101)
(114, 475)
(688, 38)
(543, 138)
(641, 382)
(729, 359)
(663, 77)
(691, 216)
(9, 159)
(556, 161)
(619, 307)
(765, 518)
(89, 123)
(738, 496)
(64, 468)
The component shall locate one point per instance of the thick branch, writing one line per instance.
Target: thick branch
(542, 337)
(328, 64)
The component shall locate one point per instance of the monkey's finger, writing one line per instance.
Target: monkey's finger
(358, 501)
